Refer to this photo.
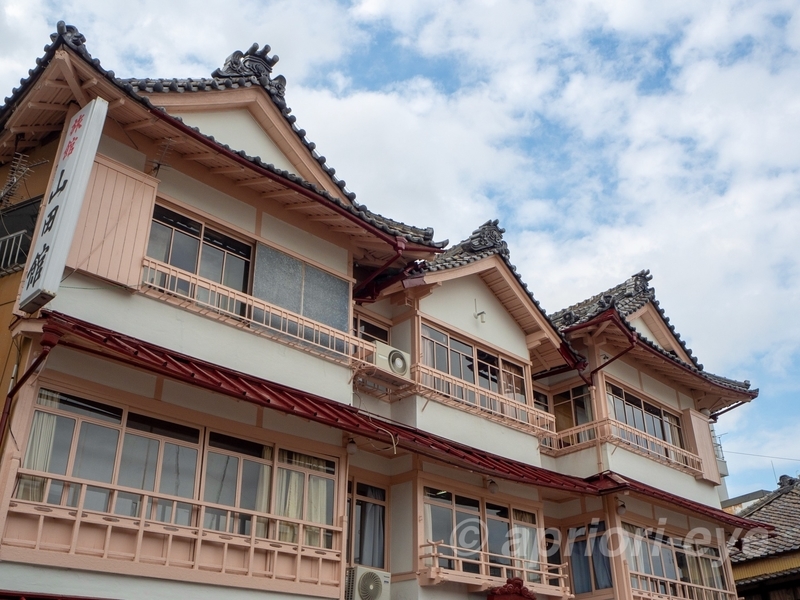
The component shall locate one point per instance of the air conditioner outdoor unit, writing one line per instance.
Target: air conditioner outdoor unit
(362, 583)
(393, 360)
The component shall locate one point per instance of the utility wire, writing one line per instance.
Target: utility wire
(762, 456)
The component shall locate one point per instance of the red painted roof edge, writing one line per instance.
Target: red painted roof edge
(609, 482)
(145, 355)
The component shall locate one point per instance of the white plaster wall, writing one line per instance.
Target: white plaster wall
(289, 424)
(631, 376)
(400, 335)
(208, 402)
(562, 510)
(226, 208)
(121, 153)
(380, 464)
(101, 371)
(204, 338)
(685, 401)
(402, 523)
(660, 391)
(69, 582)
(372, 405)
(304, 243)
(240, 131)
(643, 329)
(662, 477)
(454, 303)
(582, 463)
(476, 431)
(593, 503)
(383, 308)
(624, 372)
(673, 518)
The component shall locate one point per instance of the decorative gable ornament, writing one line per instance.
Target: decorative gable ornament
(514, 589)
(253, 63)
(487, 236)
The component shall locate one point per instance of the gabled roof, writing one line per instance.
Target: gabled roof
(781, 509)
(68, 36)
(626, 299)
(485, 242)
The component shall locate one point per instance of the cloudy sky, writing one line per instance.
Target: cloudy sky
(607, 137)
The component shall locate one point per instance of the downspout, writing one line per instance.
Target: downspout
(50, 338)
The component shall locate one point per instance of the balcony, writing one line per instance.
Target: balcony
(480, 570)
(13, 252)
(650, 587)
(625, 436)
(466, 396)
(71, 522)
(209, 298)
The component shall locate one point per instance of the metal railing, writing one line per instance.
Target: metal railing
(451, 390)
(12, 253)
(81, 517)
(440, 562)
(650, 587)
(208, 297)
(626, 436)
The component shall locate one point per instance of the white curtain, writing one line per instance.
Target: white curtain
(526, 542)
(289, 502)
(428, 526)
(372, 530)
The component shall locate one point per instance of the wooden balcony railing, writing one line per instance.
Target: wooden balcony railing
(13, 252)
(440, 562)
(210, 298)
(472, 398)
(168, 536)
(623, 435)
(649, 587)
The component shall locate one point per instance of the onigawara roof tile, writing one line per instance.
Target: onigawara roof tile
(241, 69)
(626, 298)
(781, 509)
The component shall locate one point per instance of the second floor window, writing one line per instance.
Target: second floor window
(473, 365)
(644, 416)
(572, 407)
(189, 245)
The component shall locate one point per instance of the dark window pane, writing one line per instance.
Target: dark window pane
(177, 221)
(79, 406)
(461, 347)
(178, 470)
(211, 263)
(233, 444)
(165, 428)
(370, 491)
(159, 243)
(221, 474)
(184, 252)
(455, 364)
(96, 453)
(255, 492)
(496, 510)
(237, 272)
(137, 467)
(469, 503)
(441, 358)
(433, 334)
(371, 332)
(304, 460)
(228, 244)
(442, 495)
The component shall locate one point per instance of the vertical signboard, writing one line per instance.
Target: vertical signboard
(61, 206)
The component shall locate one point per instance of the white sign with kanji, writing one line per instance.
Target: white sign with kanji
(61, 206)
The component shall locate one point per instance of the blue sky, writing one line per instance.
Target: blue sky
(606, 137)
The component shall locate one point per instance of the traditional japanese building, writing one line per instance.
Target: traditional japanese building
(228, 378)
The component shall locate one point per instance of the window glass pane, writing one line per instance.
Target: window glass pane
(563, 414)
(468, 503)
(237, 273)
(441, 358)
(306, 461)
(49, 444)
(583, 410)
(233, 444)
(96, 452)
(371, 332)
(600, 563)
(455, 364)
(177, 220)
(468, 539)
(439, 525)
(369, 534)
(278, 278)
(581, 573)
(221, 473)
(178, 470)
(289, 495)
(461, 347)
(256, 481)
(320, 500)
(497, 544)
(163, 428)
(370, 491)
(79, 406)
(442, 495)
(211, 263)
(137, 467)
(467, 369)
(184, 252)
(158, 245)
(431, 333)
(326, 298)
(496, 510)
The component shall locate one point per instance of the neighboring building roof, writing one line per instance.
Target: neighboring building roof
(744, 499)
(626, 298)
(781, 509)
(253, 71)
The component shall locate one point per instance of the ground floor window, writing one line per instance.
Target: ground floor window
(143, 466)
(589, 557)
(366, 505)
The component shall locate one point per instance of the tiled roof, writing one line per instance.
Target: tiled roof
(781, 509)
(626, 298)
(225, 78)
(487, 240)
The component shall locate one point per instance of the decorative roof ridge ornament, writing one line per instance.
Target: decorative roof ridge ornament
(254, 63)
(486, 237)
(70, 34)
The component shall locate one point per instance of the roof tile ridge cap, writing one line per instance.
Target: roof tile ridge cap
(768, 499)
